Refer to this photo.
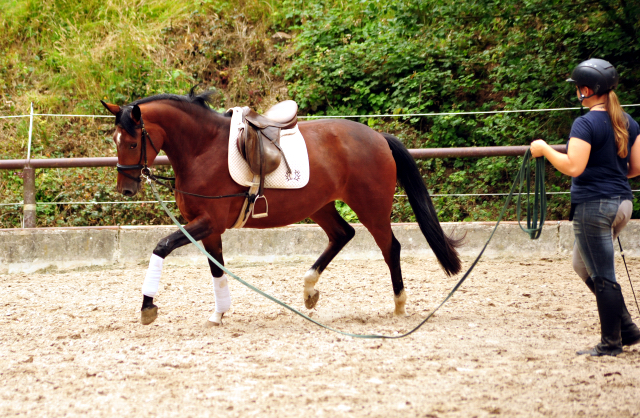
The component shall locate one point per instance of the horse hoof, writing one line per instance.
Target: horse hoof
(399, 313)
(215, 320)
(148, 315)
(400, 302)
(311, 301)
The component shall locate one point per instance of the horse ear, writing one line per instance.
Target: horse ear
(135, 114)
(114, 109)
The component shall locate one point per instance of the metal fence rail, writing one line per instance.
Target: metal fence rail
(417, 153)
(29, 179)
(29, 165)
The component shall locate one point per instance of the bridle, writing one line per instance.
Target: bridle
(143, 167)
(146, 173)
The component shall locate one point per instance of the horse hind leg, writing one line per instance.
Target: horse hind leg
(339, 233)
(399, 294)
(390, 248)
(375, 217)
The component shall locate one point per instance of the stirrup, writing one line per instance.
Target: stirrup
(260, 215)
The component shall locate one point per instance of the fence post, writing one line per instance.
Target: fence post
(29, 185)
(29, 197)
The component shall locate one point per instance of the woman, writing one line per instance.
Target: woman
(602, 152)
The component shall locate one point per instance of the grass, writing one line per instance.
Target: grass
(65, 56)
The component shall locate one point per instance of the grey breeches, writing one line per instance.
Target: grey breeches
(622, 218)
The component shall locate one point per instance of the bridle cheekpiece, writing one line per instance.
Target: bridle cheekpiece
(142, 163)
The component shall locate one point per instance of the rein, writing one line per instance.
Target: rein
(145, 171)
(154, 178)
(534, 228)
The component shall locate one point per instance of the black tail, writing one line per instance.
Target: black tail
(409, 178)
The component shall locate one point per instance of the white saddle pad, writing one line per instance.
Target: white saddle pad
(294, 147)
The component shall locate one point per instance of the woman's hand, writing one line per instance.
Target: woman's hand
(572, 163)
(537, 148)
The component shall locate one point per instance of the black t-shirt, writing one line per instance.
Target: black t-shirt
(606, 173)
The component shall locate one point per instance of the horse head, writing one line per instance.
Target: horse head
(137, 145)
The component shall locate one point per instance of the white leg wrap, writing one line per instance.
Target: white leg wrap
(152, 279)
(222, 293)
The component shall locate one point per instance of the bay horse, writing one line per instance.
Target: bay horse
(348, 161)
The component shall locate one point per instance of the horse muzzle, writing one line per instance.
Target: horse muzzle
(129, 189)
(127, 186)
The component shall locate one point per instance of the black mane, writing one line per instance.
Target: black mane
(203, 100)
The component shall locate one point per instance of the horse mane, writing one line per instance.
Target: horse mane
(202, 100)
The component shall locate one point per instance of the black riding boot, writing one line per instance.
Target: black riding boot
(609, 300)
(628, 330)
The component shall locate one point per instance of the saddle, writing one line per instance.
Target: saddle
(259, 141)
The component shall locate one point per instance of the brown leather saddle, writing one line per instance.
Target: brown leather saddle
(259, 141)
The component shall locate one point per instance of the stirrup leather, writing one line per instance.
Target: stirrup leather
(249, 202)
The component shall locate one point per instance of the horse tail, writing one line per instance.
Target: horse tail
(409, 178)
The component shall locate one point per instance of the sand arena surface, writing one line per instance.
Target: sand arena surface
(504, 345)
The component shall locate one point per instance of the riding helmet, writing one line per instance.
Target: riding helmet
(599, 75)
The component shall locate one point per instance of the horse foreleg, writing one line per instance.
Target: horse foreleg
(198, 229)
(339, 233)
(221, 291)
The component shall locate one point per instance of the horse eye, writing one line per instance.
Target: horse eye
(132, 146)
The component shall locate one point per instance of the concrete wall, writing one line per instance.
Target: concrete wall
(29, 250)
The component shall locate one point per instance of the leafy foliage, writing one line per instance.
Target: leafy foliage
(436, 56)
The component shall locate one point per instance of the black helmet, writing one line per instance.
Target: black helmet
(599, 75)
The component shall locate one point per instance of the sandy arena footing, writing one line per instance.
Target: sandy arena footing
(504, 345)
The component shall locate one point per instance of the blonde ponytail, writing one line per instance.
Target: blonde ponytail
(620, 124)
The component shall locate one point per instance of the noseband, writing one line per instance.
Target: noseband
(143, 156)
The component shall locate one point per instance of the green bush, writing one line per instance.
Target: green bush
(435, 56)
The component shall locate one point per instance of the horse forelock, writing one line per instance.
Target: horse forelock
(124, 120)
(201, 101)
